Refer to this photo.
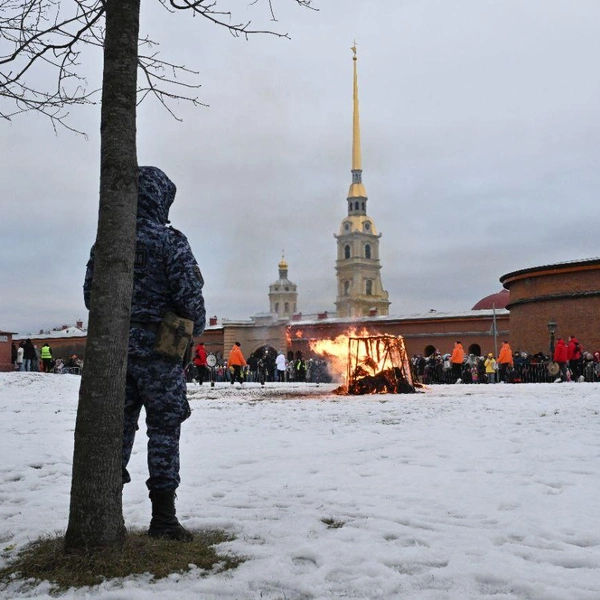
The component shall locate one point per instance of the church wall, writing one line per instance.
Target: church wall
(252, 337)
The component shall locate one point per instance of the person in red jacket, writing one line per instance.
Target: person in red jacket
(560, 357)
(574, 355)
(236, 361)
(200, 362)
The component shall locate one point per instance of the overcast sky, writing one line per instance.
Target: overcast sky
(480, 123)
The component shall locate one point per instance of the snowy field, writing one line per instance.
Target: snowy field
(461, 492)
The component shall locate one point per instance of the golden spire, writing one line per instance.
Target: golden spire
(356, 162)
(357, 189)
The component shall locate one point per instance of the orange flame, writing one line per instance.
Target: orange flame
(336, 351)
(367, 363)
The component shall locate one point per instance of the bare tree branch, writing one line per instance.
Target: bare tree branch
(38, 37)
(155, 73)
(34, 37)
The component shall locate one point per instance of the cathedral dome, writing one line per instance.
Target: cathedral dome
(497, 300)
(283, 264)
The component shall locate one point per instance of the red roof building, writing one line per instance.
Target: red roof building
(498, 300)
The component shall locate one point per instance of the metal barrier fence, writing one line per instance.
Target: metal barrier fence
(520, 373)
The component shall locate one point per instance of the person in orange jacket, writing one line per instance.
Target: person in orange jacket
(505, 360)
(236, 361)
(457, 358)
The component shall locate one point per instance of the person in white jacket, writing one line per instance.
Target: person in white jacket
(20, 361)
(281, 364)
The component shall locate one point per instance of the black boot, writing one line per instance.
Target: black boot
(164, 523)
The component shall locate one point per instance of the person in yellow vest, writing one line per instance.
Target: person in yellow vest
(236, 361)
(46, 356)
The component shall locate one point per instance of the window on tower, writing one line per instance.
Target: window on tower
(346, 251)
(277, 307)
(356, 205)
(368, 251)
(287, 307)
(346, 288)
(369, 289)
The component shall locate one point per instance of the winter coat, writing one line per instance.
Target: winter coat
(236, 357)
(574, 349)
(166, 276)
(280, 362)
(505, 356)
(20, 353)
(29, 351)
(46, 352)
(200, 356)
(458, 354)
(490, 365)
(560, 352)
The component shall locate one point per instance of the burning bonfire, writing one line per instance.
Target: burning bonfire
(370, 364)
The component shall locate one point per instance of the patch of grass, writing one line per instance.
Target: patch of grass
(332, 523)
(45, 560)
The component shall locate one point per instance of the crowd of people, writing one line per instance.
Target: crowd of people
(263, 366)
(28, 357)
(567, 362)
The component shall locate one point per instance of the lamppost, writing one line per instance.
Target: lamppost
(552, 330)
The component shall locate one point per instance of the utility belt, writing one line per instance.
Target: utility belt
(173, 335)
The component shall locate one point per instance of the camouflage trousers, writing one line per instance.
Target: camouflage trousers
(159, 386)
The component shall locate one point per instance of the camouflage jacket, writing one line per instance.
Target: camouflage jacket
(166, 275)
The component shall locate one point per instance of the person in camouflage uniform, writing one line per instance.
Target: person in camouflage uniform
(166, 278)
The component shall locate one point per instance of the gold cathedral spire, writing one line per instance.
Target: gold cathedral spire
(357, 189)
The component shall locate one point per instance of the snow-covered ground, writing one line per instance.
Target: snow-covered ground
(461, 492)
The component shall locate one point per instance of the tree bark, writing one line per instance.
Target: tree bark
(96, 512)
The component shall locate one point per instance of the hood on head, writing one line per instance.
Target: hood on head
(156, 193)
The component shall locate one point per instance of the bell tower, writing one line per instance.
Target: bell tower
(283, 295)
(360, 291)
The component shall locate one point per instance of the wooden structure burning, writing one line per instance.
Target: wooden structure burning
(378, 365)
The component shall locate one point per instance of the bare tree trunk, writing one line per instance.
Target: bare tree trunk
(96, 512)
